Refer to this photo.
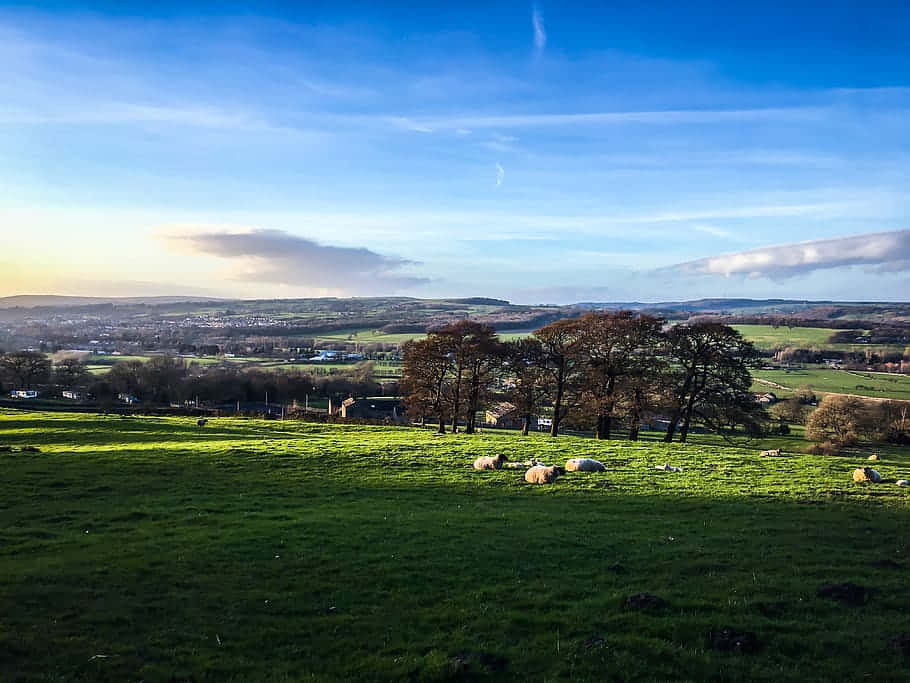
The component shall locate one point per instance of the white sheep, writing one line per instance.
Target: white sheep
(867, 474)
(543, 475)
(522, 465)
(584, 465)
(485, 462)
(668, 468)
(772, 452)
(903, 482)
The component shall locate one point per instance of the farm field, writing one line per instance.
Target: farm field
(768, 337)
(873, 384)
(148, 548)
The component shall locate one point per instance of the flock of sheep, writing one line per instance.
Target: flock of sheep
(538, 473)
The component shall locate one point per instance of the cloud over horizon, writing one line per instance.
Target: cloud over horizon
(277, 256)
(880, 252)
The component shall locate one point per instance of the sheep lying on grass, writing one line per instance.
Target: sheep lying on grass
(522, 465)
(903, 482)
(543, 475)
(874, 456)
(201, 422)
(584, 465)
(867, 474)
(774, 451)
(668, 468)
(485, 462)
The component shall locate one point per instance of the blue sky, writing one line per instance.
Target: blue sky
(537, 152)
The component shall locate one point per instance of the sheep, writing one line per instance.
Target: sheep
(772, 452)
(522, 465)
(584, 465)
(867, 474)
(201, 422)
(874, 456)
(485, 462)
(903, 482)
(668, 468)
(543, 475)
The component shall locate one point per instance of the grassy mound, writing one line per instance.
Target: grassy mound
(148, 548)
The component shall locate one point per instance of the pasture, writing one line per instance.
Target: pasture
(768, 337)
(824, 380)
(150, 549)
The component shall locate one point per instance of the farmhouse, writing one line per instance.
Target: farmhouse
(503, 415)
(371, 409)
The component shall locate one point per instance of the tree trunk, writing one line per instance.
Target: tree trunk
(442, 425)
(671, 428)
(526, 425)
(603, 427)
(634, 422)
(557, 404)
(456, 400)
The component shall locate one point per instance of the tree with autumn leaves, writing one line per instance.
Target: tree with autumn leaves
(591, 371)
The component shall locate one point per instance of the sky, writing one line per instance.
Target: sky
(538, 152)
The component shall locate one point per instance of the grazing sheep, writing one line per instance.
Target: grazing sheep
(201, 422)
(867, 474)
(874, 456)
(585, 465)
(903, 482)
(543, 475)
(485, 462)
(668, 468)
(774, 451)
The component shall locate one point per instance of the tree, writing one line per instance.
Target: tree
(524, 378)
(470, 348)
(645, 370)
(709, 376)
(484, 359)
(70, 373)
(425, 369)
(26, 369)
(560, 362)
(837, 419)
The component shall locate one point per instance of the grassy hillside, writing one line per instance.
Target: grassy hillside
(874, 384)
(147, 548)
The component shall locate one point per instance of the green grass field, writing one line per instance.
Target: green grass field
(768, 337)
(149, 549)
(873, 384)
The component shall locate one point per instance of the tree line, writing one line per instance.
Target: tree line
(594, 371)
(162, 380)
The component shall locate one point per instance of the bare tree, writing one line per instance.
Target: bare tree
(26, 369)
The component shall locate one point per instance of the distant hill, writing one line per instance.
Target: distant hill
(59, 301)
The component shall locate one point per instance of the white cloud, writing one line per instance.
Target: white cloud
(540, 35)
(883, 251)
(500, 174)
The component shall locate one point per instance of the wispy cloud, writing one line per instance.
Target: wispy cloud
(276, 256)
(657, 117)
(500, 174)
(883, 251)
(540, 35)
